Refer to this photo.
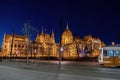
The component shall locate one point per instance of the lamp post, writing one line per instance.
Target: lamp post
(60, 42)
(61, 51)
(0, 54)
(35, 53)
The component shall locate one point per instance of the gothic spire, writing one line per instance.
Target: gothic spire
(52, 37)
(67, 27)
(52, 33)
(42, 30)
(4, 36)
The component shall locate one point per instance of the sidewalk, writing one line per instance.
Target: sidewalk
(53, 62)
(87, 63)
(50, 70)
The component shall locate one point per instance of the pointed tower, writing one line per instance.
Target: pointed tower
(37, 38)
(42, 32)
(52, 37)
(67, 27)
(41, 36)
(3, 42)
(4, 36)
(67, 36)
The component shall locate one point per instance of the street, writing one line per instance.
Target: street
(44, 71)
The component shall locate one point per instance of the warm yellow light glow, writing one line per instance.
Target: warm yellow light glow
(45, 46)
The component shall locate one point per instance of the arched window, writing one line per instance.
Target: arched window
(5, 46)
(19, 45)
(15, 45)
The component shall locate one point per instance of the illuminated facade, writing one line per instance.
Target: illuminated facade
(14, 44)
(67, 42)
(75, 46)
(88, 46)
(45, 45)
(20, 46)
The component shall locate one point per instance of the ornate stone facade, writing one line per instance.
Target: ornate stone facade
(45, 45)
(14, 44)
(75, 46)
(88, 46)
(67, 42)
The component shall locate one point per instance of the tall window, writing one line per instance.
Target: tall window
(22, 46)
(15, 45)
(19, 45)
(117, 53)
(5, 46)
(111, 52)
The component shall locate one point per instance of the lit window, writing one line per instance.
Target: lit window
(117, 53)
(15, 45)
(5, 46)
(111, 52)
(19, 45)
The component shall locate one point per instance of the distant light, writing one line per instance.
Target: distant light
(35, 50)
(83, 53)
(61, 49)
(17, 52)
(113, 43)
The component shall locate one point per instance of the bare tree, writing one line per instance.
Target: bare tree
(28, 30)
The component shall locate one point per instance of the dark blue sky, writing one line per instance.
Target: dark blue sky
(99, 18)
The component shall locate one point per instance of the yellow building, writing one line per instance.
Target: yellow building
(89, 45)
(45, 45)
(14, 45)
(67, 42)
(77, 47)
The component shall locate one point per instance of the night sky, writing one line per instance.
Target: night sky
(99, 18)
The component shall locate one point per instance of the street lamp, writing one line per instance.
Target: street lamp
(35, 53)
(35, 50)
(61, 49)
(17, 52)
(60, 55)
(16, 55)
(113, 43)
(60, 42)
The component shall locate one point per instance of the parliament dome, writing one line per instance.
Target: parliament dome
(67, 36)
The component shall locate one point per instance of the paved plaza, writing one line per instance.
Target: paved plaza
(50, 70)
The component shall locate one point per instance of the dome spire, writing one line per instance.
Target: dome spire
(67, 27)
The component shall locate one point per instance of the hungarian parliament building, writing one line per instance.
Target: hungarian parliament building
(45, 45)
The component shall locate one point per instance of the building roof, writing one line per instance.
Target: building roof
(112, 47)
(16, 37)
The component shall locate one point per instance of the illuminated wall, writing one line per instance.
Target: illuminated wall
(17, 47)
(45, 45)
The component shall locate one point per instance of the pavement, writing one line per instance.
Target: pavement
(89, 63)
(50, 70)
